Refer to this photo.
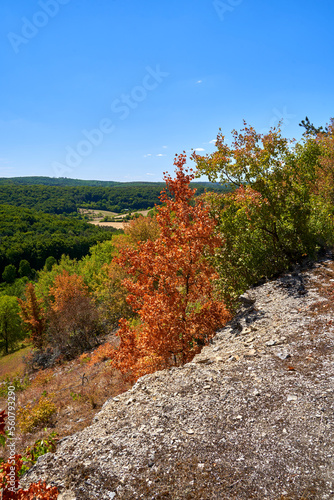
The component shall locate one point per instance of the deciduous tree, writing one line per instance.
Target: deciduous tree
(9, 273)
(33, 316)
(25, 269)
(72, 316)
(171, 284)
(272, 218)
(10, 323)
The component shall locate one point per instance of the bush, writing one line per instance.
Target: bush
(42, 359)
(18, 382)
(39, 448)
(31, 417)
(11, 470)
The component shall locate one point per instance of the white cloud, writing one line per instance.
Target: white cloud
(165, 147)
(148, 173)
(199, 81)
(160, 154)
(213, 141)
(199, 149)
(148, 154)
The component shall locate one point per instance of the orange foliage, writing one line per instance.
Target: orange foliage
(171, 288)
(3, 416)
(9, 483)
(33, 316)
(325, 173)
(102, 353)
(67, 288)
(73, 317)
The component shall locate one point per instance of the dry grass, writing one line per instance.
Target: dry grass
(116, 225)
(77, 390)
(12, 364)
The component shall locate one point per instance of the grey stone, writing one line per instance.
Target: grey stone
(245, 417)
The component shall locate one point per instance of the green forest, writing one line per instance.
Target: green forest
(32, 235)
(151, 296)
(275, 209)
(39, 216)
(53, 181)
(67, 199)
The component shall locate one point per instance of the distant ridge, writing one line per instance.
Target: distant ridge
(64, 181)
(55, 181)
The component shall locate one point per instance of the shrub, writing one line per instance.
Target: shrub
(18, 382)
(11, 470)
(42, 378)
(39, 448)
(42, 359)
(34, 416)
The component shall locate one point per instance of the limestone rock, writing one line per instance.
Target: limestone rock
(239, 425)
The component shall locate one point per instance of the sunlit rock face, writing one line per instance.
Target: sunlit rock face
(250, 417)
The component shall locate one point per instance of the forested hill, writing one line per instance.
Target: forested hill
(67, 199)
(54, 181)
(31, 235)
(65, 181)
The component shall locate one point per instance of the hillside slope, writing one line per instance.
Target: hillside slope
(250, 418)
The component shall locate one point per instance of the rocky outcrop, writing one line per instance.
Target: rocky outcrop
(250, 417)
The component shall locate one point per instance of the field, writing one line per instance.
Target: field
(96, 217)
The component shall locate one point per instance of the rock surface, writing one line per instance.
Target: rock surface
(251, 417)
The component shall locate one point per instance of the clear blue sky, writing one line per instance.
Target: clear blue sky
(113, 89)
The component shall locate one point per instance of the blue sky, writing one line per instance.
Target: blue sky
(113, 89)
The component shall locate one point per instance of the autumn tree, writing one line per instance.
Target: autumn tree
(72, 316)
(33, 316)
(271, 219)
(142, 229)
(104, 275)
(324, 184)
(171, 284)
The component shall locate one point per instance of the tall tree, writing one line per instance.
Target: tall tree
(10, 324)
(72, 316)
(9, 273)
(272, 218)
(25, 268)
(171, 284)
(33, 316)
